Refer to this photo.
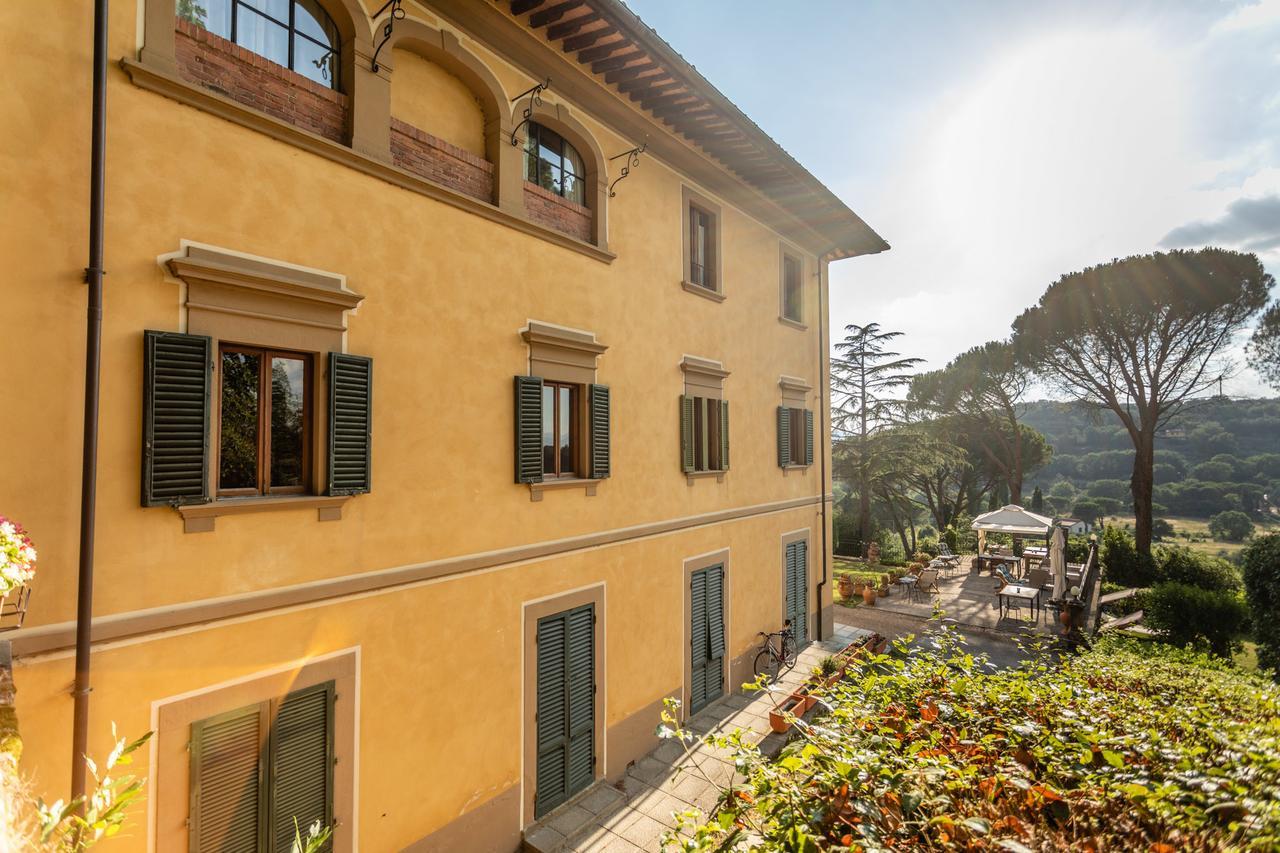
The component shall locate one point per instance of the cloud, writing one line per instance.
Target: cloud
(1252, 224)
(1254, 16)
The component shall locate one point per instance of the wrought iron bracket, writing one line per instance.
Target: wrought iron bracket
(535, 100)
(397, 14)
(633, 160)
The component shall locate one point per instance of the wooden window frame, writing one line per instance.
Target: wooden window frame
(795, 418)
(264, 488)
(706, 435)
(693, 203)
(710, 260)
(791, 260)
(575, 430)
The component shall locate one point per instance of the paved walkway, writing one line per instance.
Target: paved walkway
(633, 814)
(969, 597)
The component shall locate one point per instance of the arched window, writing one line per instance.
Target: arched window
(554, 164)
(297, 34)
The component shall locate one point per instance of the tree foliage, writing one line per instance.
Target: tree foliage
(1126, 747)
(1232, 526)
(1264, 346)
(1140, 337)
(1261, 559)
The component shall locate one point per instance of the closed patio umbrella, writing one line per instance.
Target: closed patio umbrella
(1058, 562)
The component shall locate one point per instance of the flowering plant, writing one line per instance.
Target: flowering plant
(17, 556)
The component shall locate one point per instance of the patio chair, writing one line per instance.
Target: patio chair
(928, 580)
(1040, 578)
(1002, 576)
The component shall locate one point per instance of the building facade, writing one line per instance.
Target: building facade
(463, 396)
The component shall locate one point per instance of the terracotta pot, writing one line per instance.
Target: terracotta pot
(796, 704)
(869, 595)
(845, 584)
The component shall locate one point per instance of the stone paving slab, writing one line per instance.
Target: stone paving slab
(633, 814)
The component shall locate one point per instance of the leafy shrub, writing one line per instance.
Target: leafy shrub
(1261, 560)
(1161, 528)
(1232, 525)
(1130, 746)
(1121, 562)
(1077, 549)
(1187, 615)
(1182, 565)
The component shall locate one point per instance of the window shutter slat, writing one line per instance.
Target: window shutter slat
(582, 697)
(566, 706)
(350, 424)
(528, 429)
(600, 439)
(784, 436)
(724, 435)
(302, 764)
(686, 433)
(808, 436)
(227, 799)
(698, 617)
(715, 612)
(177, 384)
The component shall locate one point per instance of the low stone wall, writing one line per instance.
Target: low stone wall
(419, 152)
(255, 81)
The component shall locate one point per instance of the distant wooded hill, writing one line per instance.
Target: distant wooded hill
(1219, 454)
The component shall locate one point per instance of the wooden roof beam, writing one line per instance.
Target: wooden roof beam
(555, 32)
(552, 13)
(657, 82)
(519, 7)
(601, 51)
(618, 63)
(629, 73)
(587, 39)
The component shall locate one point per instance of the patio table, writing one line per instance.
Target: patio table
(1013, 593)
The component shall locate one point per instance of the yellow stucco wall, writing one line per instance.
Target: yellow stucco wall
(446, 293)
(431, 99)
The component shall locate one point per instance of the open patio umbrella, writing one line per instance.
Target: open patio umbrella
(1058, 562)
(1010, 519)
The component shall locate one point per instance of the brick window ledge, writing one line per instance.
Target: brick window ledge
(200, 518)
(153, 79)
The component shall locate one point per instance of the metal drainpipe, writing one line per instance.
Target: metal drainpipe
(823, 416)
(92, 380)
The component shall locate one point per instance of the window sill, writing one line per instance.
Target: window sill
(795, 324)
(200, 518)
(704, 292)
(163, 82)
(692, 476)
(536, 489)
(795, 466)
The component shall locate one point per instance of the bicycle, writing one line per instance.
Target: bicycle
(772, 658)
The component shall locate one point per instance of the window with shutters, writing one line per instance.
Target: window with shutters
(258, 769)
(704, 434)
(560, 419)
(706, 637)
(795, 560)
(566, 700)
(264, 421)
(795, 437)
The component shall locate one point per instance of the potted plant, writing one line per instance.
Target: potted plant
(827, 672)
(782, 715)
(17, 568)
(868, 594)
(845, 584)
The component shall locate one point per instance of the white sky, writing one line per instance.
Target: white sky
(998, 145)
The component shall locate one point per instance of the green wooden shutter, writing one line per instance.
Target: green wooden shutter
(552, 716)
(350, 424)
(528, 429)
(228, 797)
(301, 765)
(582, 698)
(177, 384)
(600, 442)
(686, 434)
(566, 706)
(714, 674)
(698, 641)
(784, 437)
(797, 573)
(808, 436)
(724, 435)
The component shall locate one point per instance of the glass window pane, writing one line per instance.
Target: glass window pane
(572, 160)
(549, 145)
(573, 189)
(288, 394)
(557, 180)
(566, 431)
(548, 429)
(315, 62)
(531, 154)
(310, 20)
(699, 435)
(278, 9)
(238, 427)
(262, 36)
(213, 15)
